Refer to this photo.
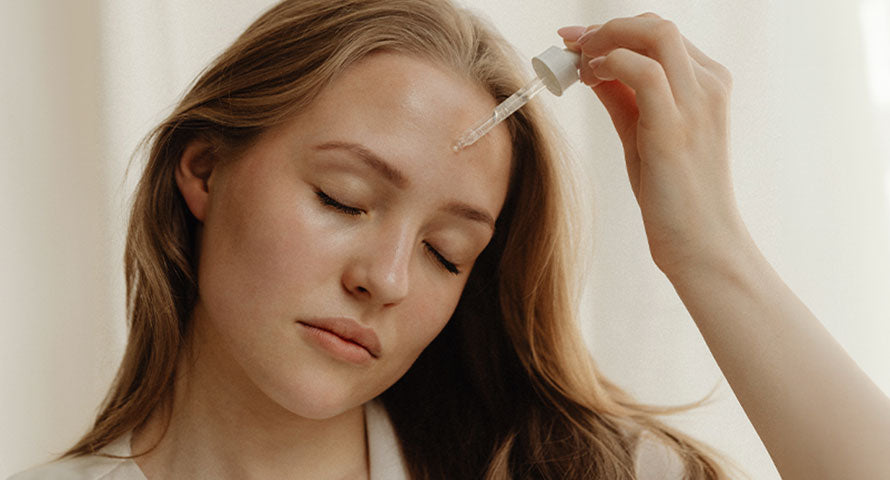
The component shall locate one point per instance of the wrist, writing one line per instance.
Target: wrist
(726, 255)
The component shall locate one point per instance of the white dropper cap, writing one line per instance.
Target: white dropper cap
(558, 68)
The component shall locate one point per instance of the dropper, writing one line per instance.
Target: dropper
(556, 69)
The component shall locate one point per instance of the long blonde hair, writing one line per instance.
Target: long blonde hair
(508, 389)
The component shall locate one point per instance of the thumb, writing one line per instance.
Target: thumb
(621, 103)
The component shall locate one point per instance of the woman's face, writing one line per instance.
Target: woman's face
(356, 209)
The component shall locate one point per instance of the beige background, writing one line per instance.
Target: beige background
(82, 81)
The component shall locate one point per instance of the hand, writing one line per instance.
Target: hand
(669, 103)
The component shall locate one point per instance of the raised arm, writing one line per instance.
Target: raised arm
(817, 413)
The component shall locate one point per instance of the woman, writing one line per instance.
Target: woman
(320, 288)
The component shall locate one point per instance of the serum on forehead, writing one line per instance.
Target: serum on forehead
(556, 69)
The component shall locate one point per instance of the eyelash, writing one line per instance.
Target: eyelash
(352, 211)
(330, 202)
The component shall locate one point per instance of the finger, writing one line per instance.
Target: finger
(620, 102)
(709, 64)
(586, 73)
(697, 54)
(571, 34)
(700, 59)
(647, 78)
(647, 35)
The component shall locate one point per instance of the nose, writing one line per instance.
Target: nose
(379, 269)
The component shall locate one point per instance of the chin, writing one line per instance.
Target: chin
(317, 400)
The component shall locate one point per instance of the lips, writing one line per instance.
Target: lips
(349, 330)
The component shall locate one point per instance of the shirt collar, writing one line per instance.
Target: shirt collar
(386, 460)
(385, 456)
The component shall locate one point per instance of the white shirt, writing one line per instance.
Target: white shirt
(653, 461)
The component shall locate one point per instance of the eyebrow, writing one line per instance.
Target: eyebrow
(370, 159)
(397, 178)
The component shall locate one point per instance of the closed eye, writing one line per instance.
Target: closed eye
(330, 202)
(442, 260)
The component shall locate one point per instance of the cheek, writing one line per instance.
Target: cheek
(262, 254)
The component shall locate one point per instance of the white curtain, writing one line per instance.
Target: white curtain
(83, 81)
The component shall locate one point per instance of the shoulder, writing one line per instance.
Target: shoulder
(89, 467)
(655, 460)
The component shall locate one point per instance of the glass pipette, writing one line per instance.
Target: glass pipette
(556, 69)
(505, 109)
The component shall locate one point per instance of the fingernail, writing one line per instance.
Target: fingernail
(596, 62)
(587, 35)
(589, 79)
(571, 33)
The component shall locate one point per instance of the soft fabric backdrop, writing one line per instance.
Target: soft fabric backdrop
(83, 81)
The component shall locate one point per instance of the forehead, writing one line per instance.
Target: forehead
(410, 111)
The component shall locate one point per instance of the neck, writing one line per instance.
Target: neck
(222, 426)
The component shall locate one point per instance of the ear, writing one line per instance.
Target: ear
(193, 176)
